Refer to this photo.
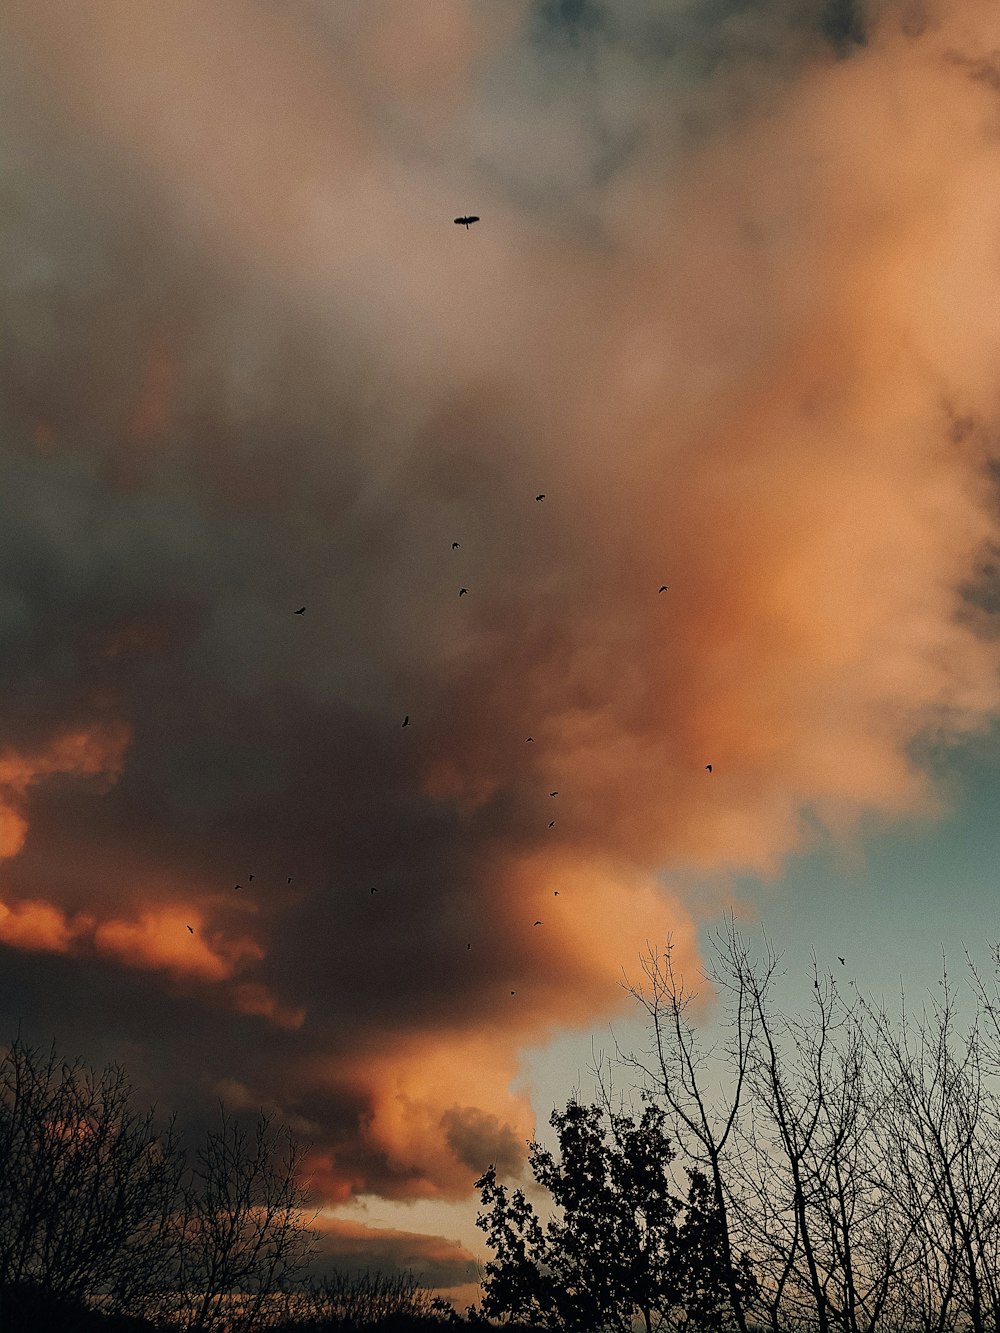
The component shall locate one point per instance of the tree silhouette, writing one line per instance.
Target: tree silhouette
(622, 1243)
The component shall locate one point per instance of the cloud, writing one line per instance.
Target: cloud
(438, 1262)
(728, 308)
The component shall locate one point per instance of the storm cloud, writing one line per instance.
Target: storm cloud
(730, 308)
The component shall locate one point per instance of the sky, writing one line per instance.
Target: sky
(730, 308)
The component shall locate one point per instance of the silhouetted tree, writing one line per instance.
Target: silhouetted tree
(88, 1185)
(244, 1239)
(621, 1244)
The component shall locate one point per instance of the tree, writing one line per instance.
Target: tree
(243, 1234)
(621, 1245)
(88, 1185)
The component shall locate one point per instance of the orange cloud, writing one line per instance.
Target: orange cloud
(41, 926)
(160, 939)
(96, 751)
(758, 365)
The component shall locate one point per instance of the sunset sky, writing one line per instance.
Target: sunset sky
(731, 307)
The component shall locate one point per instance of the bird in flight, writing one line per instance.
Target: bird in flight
(190, 930)
(553, 793)
(406, 720)
(555, 893)
(455, 545)
(539, 498)
(841, 961)
(708, 768)
(250, 880)
(513, 992)
(528, 738)
(289, 880)
(552, 823)
(301, 611)
(466, 222)
(373, 890)
(468, 946)
(462, 592)
(237, 886)
(536, 923)
(664, 587)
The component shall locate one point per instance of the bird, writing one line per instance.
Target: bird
(708, 767)
(528, 738)
(664, 587)
(539, 498)
(455, 545)
(406, 720)
(301, 611)
(553, 793)
(250, 879)
(841, 961)
(237, 886)
(536, 923)
(462, 592)
(373, 890)
(190, 930)
(466, 222)
(555, 893)
(513, 992)
(289, 880)
(468, 946)
(552, 823)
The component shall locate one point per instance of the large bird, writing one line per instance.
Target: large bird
(664, 587)
(466, 222)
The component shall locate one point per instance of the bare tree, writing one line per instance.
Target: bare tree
(88, 1185)
(679, 1068)
(244, 1232)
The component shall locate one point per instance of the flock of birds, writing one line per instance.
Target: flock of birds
(467, 222)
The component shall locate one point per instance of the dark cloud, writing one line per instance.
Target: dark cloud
(476, 1137)
(439, 1263)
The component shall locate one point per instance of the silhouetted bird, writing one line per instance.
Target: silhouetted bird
(555, 893)
(301, 611)
(540, 498)
(552, 823)
(373, 890)
(840, 960)
(289, 880)
(462, 592)
(529, 738)
(664, 587)
(468, 946)
(237, 886)
(191, 930)
(466, 222)
(553, 793)
(536, 923)
(513, 992)
(406, 720)
(708, 768)
(250, 880)
(455, 545)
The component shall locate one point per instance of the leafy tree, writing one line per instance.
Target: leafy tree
(621, 1245)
